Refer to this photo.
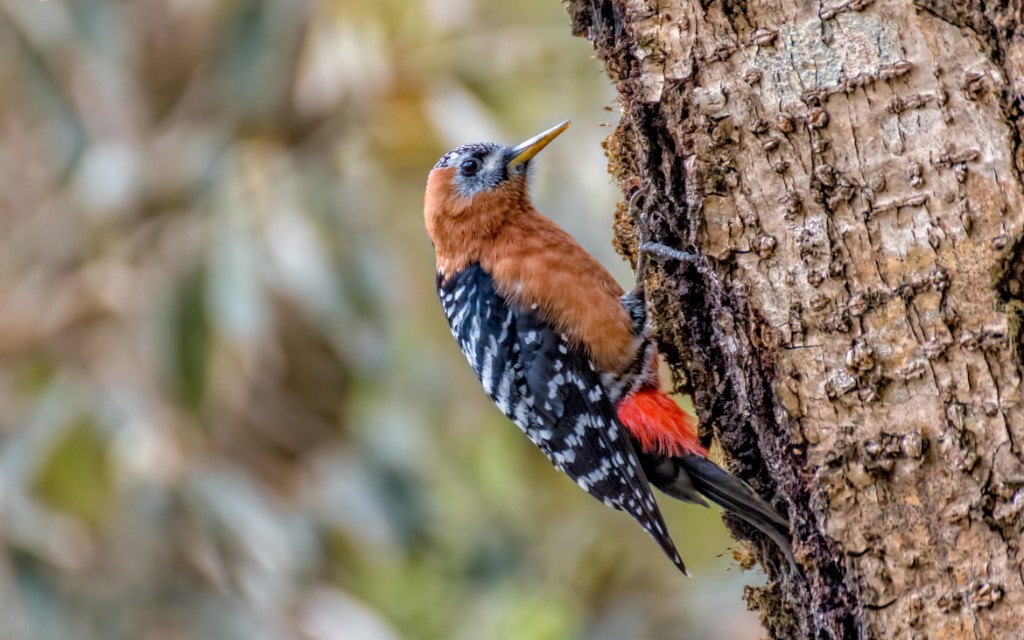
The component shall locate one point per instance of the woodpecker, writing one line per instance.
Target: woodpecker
(562, 350)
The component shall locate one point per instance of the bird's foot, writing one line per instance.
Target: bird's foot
(647, 247)
(646, 244)
(658, 249)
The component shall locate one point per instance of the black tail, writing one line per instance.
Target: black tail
(733, 495)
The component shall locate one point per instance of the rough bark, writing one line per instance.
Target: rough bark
(850, 174)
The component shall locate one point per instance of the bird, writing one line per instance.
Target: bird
(562, 350)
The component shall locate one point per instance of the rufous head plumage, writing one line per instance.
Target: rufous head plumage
(476, 188)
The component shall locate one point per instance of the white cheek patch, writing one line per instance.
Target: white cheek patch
(492, 164)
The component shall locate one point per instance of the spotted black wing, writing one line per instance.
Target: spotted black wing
(550, 389)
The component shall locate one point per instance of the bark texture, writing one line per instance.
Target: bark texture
(850, 173)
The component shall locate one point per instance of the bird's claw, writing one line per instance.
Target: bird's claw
(643, 229)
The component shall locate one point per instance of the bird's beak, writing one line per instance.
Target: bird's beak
(523, 152)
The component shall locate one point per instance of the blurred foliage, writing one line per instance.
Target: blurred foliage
(229, 405)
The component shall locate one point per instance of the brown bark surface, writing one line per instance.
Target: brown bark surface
(850, 173)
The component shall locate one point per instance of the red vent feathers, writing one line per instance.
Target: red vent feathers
(659, 424)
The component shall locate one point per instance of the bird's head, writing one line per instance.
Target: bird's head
(476, 185)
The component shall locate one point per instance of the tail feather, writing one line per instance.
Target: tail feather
(737, 497)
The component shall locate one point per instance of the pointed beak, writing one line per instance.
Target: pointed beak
(525, 151)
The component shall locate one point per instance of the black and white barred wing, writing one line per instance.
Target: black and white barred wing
(552, 392)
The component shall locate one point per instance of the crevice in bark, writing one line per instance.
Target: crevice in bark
(1010, 285)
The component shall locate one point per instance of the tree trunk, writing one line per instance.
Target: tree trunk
(850, 174)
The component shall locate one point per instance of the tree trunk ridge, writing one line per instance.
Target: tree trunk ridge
(850, 173)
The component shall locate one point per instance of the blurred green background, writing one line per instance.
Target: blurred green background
(229, 404)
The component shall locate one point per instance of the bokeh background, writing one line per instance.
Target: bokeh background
(229, 405)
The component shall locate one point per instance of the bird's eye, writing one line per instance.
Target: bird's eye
(469, 167)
